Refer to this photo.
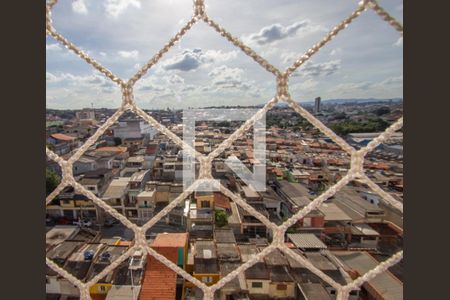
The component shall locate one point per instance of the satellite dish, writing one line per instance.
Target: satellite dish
(207, 253)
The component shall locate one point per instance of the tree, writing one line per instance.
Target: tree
(221, 218)
(52, 180)
(382, 111)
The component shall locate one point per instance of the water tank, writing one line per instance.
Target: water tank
(88, 255)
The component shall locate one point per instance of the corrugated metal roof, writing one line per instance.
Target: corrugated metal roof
(385, 283)
(306, 241)
(333, 213)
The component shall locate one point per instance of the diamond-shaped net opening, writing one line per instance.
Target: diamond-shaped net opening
(204, 70)
(277, 249)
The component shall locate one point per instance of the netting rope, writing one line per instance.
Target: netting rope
(356, 171)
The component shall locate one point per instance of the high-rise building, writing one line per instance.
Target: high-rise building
(317, 105)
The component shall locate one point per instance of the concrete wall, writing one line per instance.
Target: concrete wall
(264, 290)
(275, 293)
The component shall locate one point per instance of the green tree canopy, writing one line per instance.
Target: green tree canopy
(221, 218)
(52, 180)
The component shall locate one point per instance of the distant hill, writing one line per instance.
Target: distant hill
(352, 100)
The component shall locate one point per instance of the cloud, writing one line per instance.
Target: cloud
(160, 83)
(190, 60)
(225, 77)
(387, 88)
(306, 85)
(399, 42)
(82, 82)
(352, 89)
(134, 54)
(79, 7)
(289, 57)
(114, 8)
(52, 47)
(276, 32)
(390, 82)
(50, 78)
(231, 81)
(335, 51)
(310, 69)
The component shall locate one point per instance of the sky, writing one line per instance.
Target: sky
(204, 69)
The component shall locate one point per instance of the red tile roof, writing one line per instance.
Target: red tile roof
(62, 137)
(118, 149)
(221, 200)
(170, 240)
(159, 281)
(151, 150)
(278, 172)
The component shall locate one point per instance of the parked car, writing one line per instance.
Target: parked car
(83, 223)
(63, 221)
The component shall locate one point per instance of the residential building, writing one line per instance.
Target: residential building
(160, 282)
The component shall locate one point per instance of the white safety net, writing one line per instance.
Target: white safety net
(356, 171)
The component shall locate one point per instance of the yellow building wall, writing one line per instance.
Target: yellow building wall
(84, 203)
(162, 196)
(209, 198)
(96, 288)
(215, 278)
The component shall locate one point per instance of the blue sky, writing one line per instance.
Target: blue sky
(363, 61)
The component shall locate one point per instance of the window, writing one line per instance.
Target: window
(307, 222)
(205, 204)
(257, 285)
(102, 288)
(146, 203)
(281, 287)
(207, 279)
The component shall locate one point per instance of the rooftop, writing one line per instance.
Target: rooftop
(280, 274)
(62, 137)
(238, 283)
(61, 252)
(177, 240)
(332, 212)
(306, 241)
(314, 291)
(386, 284)
(224, 236)
(106, 257)
(116, 188)
(59, 234)
(351, 202)
(275, 258)
(257, 271)
(247, 251)
(159, 281)
(320, 261)
(227, 251)
(205, 249)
